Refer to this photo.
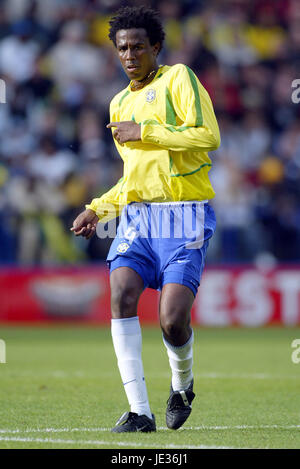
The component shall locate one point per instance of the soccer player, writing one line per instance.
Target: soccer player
(163, 125)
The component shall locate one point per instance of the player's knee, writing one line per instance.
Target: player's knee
(171, 331)
(174, 327)
(124, 302)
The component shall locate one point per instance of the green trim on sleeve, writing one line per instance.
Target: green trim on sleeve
(150, 122)
(199, 116)
(171, 128)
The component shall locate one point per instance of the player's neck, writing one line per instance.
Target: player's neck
(136, 85)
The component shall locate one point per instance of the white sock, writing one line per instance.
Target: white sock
(181, 362)
(127, 340)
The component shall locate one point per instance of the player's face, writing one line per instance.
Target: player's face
(137, 56)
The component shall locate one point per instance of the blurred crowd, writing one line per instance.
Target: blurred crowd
(60, 72)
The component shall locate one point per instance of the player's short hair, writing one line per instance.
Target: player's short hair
(138, 17)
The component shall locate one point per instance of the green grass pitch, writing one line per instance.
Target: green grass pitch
(60, 388)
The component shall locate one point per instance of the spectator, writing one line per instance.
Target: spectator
(73, 59)
(51, 164)
(18, 52)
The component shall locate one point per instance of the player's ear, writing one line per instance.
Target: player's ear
(156, 49)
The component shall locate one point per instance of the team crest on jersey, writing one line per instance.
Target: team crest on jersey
(150, 95)
(122, 248)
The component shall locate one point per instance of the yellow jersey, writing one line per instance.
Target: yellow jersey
(178, 127)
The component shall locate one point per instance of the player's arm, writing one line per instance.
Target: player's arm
(103, 209)
(107, 207)
(187, 99)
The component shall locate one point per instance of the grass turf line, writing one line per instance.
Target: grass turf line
(247, 389)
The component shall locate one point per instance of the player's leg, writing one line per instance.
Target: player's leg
(126, 288)
(175, 317)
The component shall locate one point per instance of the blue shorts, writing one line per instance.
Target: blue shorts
(164, 242)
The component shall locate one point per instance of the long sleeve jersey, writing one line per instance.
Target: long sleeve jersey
(178, 128)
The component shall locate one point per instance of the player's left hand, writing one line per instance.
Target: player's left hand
(126, 131)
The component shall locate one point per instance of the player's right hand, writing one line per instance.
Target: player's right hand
(85, 224)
